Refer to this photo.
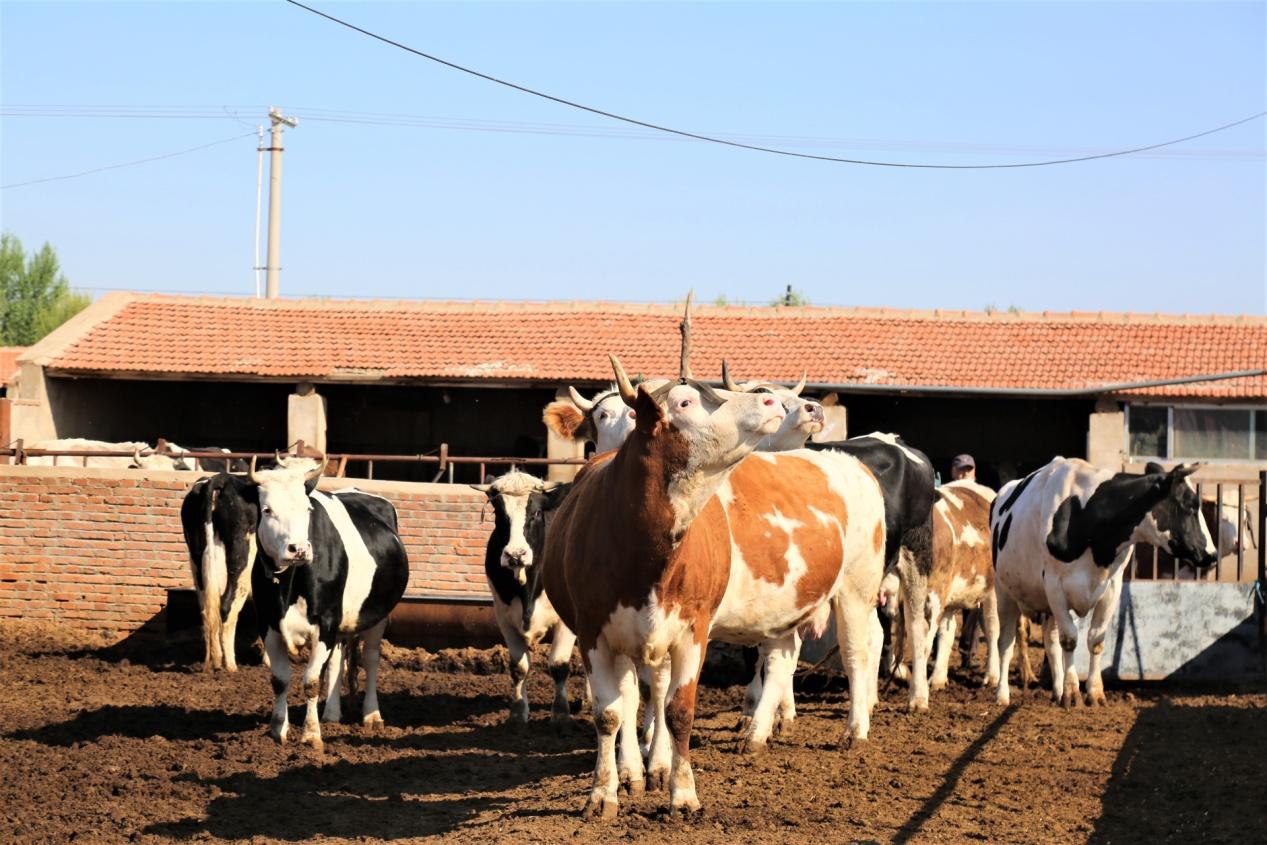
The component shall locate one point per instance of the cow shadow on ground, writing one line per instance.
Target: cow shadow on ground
(1174, 747)
(406, 797)
(138, 721)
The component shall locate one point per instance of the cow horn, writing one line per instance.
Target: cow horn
(684, 366)
(251, 474)
(800, 385)
(726, 381)
(549, 485)
(316, 471)
(627, 392)
(136, 457)
(481, 488)
(279, 458)
(580, 401)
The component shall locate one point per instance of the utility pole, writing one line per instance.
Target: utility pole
(273, 269)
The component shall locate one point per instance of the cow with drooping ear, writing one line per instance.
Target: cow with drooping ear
(523, 506)
(805, 417)
(331, 567)
(1062, 538)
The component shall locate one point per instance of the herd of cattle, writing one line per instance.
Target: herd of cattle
(705, 515)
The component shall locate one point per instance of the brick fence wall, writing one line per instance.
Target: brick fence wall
(99, 548)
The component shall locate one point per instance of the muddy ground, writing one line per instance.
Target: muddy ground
(137, 744)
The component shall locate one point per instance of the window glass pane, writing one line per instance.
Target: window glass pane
(1211, 433)
(1148, 431)
(1260, 434)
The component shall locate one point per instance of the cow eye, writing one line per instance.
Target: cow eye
(685, 403)
(602, 415)
(268, 510)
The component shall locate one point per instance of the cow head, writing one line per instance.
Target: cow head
(1176, 524)
(520, 502)
(717, 427)
(157, 459)
(286, 509)
(805, 417)
(604, 419)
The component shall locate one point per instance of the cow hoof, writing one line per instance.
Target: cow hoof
(990, 681)
(917, 706)
(936, 685)
(313, 740)
(657, 780)
(751, 745)
(278, 730)
(633, 785)
(783, 728)
(599, 808)
(1070, 699)
(852, 742)
(1096, 699)
(561, 712)
(745, 722)
(372, 720)
(684, 808)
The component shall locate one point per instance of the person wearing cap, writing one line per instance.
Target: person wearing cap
(963, 467)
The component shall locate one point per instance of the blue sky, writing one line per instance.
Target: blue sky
(592, 209)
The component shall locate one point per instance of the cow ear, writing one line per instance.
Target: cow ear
(311, 485)
(564, 419)
(1153, 467)
(830, 400)
(647, 411)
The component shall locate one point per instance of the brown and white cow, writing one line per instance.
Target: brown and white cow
(959, 575)
(783, 536)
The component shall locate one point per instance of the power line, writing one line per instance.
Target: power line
(601, 132)
(754, 147)
(127, 163)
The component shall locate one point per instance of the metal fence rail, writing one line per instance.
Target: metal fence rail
(336, 462)
(1150, 564)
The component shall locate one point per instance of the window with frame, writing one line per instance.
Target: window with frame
(1204, 432)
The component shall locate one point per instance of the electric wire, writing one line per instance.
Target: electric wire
(756, 147)
(126, 163)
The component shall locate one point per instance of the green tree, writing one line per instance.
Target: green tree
(791, 297)
(35, 297)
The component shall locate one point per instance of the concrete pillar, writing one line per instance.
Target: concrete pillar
(31, 414)
(559, 447)
(306, 417)
(1106, 433)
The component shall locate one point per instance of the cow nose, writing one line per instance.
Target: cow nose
(815, 411)
(767, 401)
(515, 558)
(299, 550)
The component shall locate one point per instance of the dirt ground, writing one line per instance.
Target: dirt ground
(137, 744)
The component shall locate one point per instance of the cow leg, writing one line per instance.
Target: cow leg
(629, 765)
(605, 686)
(372, 639)
(660, 755)
(988, 613)
(562, 641)
(519, 649)
(786, 714)
(779, 657)
(213, 655)
(854, 633)
(333, 712)
(229, 628)
(973, 619)
(321, 652)
(1008, 614)
(752, 693)
(1104, 610)
(914, 605)
(1024, 632)
(279, 665)
(945, 645)
(686, 660)
(897, 645)
(1062, 622)
(1061, 690)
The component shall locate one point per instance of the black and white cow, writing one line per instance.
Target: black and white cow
(522, 504)
(220, 516)
(331, 567)
(185, 461)
(1062, 538)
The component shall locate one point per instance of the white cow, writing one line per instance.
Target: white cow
(76, 444)
(1062, 538)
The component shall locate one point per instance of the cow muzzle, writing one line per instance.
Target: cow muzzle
(518, 562)
(298, 553)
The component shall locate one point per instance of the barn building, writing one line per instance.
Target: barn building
(405, 377)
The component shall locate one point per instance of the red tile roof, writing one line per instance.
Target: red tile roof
(569, 341)
(9, 362)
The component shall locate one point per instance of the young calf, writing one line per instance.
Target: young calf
(522, 506)
(960, 578)
(1062, 538)
(331, 567)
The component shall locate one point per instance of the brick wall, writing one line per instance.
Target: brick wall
(97, 548)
